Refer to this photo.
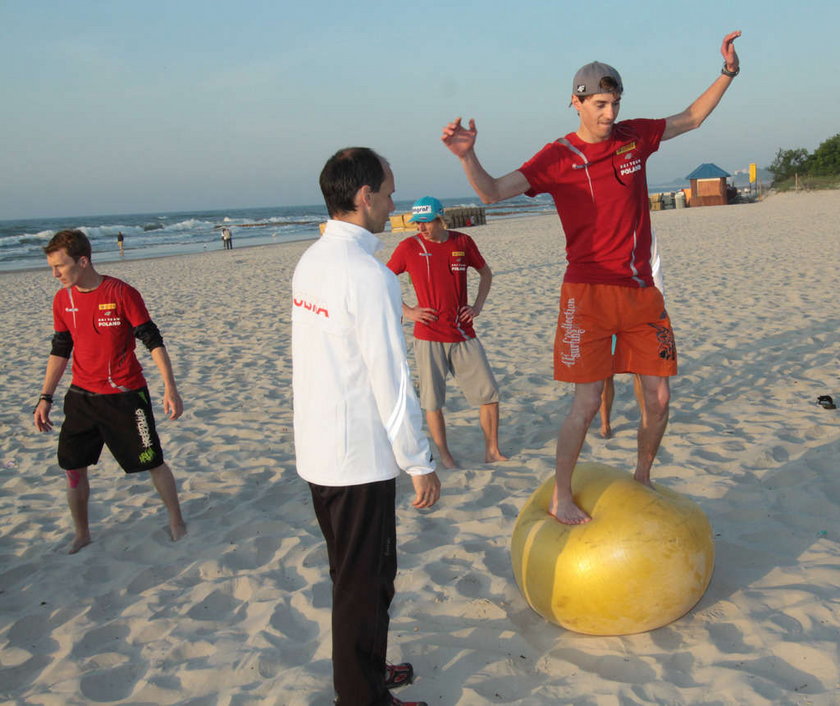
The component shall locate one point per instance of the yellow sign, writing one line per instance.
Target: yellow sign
(105, 307)
(752, 172)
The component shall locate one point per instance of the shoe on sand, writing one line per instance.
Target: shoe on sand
(397, 675)
(826, 402)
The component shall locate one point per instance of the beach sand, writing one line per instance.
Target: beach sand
(238, 613)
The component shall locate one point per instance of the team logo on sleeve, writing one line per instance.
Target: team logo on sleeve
(308, 303)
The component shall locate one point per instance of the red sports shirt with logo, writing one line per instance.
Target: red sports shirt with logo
(439, 275)
(600, 191)
(101, 323)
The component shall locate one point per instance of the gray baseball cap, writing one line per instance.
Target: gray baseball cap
(588, 79)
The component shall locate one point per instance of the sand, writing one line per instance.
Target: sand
(238, 612)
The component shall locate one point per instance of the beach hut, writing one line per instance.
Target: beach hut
(708, 185)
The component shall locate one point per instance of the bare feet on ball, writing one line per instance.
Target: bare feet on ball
(643, 477)
(564, 510)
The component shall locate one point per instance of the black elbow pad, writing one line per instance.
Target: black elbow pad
(149, 334)
(62, 344)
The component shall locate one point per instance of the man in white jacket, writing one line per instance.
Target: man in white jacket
(357, 418)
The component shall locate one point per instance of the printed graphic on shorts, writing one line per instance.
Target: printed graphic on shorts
(572, 333)
(148, 452)
(667, 347)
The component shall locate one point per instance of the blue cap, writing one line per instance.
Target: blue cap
(425, 210)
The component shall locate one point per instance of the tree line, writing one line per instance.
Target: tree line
(824, 161)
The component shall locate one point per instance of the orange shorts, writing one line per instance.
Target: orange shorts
(591, 314)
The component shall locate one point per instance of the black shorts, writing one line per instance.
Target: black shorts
(123, 421)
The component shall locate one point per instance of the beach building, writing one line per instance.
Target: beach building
(708, 185)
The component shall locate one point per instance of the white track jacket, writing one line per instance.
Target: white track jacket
(357, 418)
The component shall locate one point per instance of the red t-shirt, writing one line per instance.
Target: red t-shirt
(439, 274)
(101, 323)
(600, 191)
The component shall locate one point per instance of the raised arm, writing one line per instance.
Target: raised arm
(693, 116)
(461, 142)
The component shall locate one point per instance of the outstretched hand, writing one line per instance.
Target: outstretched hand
(727, 49)
(459, 139)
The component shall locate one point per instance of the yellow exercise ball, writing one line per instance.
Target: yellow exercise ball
(643, 561)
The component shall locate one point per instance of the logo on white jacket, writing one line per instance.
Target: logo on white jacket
(303, 303)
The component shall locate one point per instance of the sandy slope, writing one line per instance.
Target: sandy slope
(238, 613)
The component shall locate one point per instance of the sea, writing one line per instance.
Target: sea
(150, 235)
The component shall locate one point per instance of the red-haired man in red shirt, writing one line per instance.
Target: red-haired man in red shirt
(96, 319)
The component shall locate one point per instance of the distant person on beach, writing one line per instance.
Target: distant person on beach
(357, 420)
(596, 176)
(608, 393)
(120, 242)
(96, 319)
(445, 342)
(227, 239)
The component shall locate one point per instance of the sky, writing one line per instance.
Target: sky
(111, 106)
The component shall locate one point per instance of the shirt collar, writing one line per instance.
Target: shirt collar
(342, 230)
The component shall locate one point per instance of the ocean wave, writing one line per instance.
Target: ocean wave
(151, 234)
(109, 231)
(37, 238)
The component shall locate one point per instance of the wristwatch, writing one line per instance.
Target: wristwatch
(43, 398)
(727, 72)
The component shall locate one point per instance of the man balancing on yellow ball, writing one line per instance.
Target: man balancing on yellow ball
(596, 176)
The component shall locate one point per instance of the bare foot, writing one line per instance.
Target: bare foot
(643, 478)
(446, 459)
(606, 432)
(567, 513)
(78, 543)
(493, 456)
(178, 531)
